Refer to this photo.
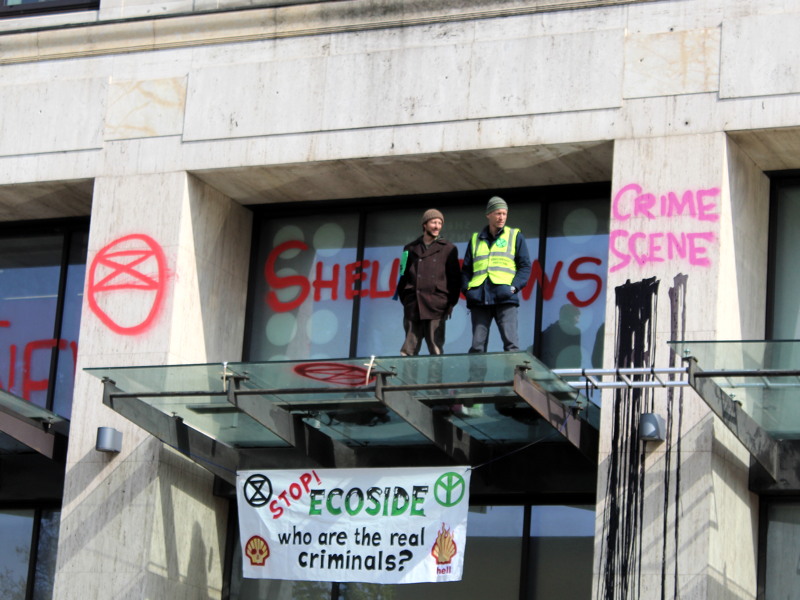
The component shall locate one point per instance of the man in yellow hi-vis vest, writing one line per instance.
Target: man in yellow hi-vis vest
(496, 267)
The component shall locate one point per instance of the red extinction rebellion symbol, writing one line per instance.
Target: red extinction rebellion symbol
(338, 373)
(127, 283)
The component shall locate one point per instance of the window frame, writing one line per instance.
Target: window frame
(525, 583)
(68, 228)
(38, 509)
(47, 6)
(778, 181)
(545, 196)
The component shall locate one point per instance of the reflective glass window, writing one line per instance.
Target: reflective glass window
(786, 287)
(46, 554)
(70, 324)
(306, 282)
(573, 282)
(323, 284)
(492, 563)
(29, 276)
(16, 530)
(560, 552)
(783, 317)
(559, 562)
(23, 7)
(782, 578)
(41, 288)
(387, 232)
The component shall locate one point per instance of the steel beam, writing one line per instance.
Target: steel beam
(34, 434)
(211, 454)
(291, 428)
(761, 445)
(455, 442)
(565, 419)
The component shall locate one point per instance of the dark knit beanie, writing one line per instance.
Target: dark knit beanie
(496, 203)
(432, 213)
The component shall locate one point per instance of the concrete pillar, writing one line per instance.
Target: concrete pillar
(166, 284)
(687, 261)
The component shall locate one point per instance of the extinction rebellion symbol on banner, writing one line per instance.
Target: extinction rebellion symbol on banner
(405, 525)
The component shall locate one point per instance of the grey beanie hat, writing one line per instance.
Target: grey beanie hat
(496, 203)
(432, 213)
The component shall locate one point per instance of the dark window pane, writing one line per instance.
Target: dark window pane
(304, 284)
(70, 325)
(29, 276)
(561, 550)
(575, 286)
(786, 315)
(16, 527)
(783, 556)
(381, 319)
(46, 555)
(491, 563)
(273, 589)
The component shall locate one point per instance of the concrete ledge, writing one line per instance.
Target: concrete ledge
(247, 24)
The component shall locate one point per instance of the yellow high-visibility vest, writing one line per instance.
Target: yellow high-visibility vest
(497, 263)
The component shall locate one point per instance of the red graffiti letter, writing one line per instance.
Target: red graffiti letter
(576, 275)
(36, 385)
(352, 274)
(280, 283)
(374, 292)
(332, 284)
(548, 286)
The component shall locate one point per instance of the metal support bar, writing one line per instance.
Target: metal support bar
(761, 445)
(456, 442)
(579, 433)
(216, 457)
(630, 377)
(292, 429)
(34, 434)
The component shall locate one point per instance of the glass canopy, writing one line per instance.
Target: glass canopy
(763, 377)
(29, 427)
(505, 398)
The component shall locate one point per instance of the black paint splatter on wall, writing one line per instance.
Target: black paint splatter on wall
(635, 346)
(677, 309)
(620, 556)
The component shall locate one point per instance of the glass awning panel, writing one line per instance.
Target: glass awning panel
(32, 426)
(475, 392)
(12, 404)
(195, 393)
(762, 377)
(466, 406)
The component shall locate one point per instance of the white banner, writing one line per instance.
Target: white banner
(404, 525)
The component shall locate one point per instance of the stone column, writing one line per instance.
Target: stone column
(687, 261)
(166, 284)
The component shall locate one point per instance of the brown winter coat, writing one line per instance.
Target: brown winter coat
(431, 283)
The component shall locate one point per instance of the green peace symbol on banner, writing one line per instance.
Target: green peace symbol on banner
(449, 489)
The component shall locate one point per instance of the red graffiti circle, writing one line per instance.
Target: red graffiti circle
(337, 373)
(127, 278)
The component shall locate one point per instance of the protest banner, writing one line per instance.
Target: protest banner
(403, 525)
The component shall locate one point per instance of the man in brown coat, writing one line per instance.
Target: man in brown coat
(429, 286)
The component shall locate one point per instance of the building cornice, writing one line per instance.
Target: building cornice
(232, 26)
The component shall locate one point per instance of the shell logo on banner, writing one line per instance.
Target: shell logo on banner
(405, 525)
(257, 550)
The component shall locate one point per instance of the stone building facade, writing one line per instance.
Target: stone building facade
(176, 130)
